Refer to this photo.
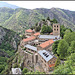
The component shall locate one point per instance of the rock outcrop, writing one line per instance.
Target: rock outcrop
(2, 34)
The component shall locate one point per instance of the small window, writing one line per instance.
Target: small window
(54, 26)
(54, 29)
(57, 29)
(57, 25)
(53, 61)
(50, 62)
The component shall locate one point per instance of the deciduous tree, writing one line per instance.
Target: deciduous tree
(62, 48)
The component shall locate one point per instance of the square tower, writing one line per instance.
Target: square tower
(56, 29)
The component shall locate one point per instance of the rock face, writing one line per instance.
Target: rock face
(2, 34)
(48, 22)
(41, 23)
(14, 44)
(9, 37)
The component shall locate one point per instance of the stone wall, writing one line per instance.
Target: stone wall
(28, 34)
(43, 63)
(56, 29)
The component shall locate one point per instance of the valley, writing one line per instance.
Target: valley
(36, 41)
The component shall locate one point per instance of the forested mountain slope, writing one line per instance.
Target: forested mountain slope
(9, 41)
(20, 19)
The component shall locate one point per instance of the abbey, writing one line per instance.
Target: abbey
(37, 49)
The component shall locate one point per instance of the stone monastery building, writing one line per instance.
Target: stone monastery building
(38, 49)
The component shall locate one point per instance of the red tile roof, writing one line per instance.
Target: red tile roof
(52, 65)
(36, 34)
(51, 33)
(47, 43)
(29, 30)
(29, 39)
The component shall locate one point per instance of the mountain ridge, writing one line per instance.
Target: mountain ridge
(21, 18)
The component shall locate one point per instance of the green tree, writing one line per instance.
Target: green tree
(71, 48)
(43, 19)
(37, 72)
(48, 18)
(33, 27)
(55, 46)
(36, 24)
(25, 70)
(57, 62)
(55, 21)
(23, 36)
(69, 37)
(43, 29)
(67, 31)
(16, 65)
(62, 30)
(68, 68)
(71, 58)
(2, 67)
(58, 70)
(49, 29)
(46, 29)
(38, 28)
(62, 48)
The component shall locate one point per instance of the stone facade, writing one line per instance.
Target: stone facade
(45, 65)
(52, 61)
(29, 32)
(56, 29)
(22, 43)
(25, 41)
(49, 47)
(32, 57)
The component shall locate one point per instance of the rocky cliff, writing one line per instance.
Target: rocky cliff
(9, 37)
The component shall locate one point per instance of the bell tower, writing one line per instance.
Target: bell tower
(56, 29)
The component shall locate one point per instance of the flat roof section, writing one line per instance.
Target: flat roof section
(46, 56)
(48, 36)
(31, 47)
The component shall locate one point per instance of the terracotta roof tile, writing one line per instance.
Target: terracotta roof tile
(37, 34)
(29, 39)
(29, 30)
(52, 65)
(47, 43)
(51, 33)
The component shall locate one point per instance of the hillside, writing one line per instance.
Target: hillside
(9, 41)
(20, 19)
(4, 4)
